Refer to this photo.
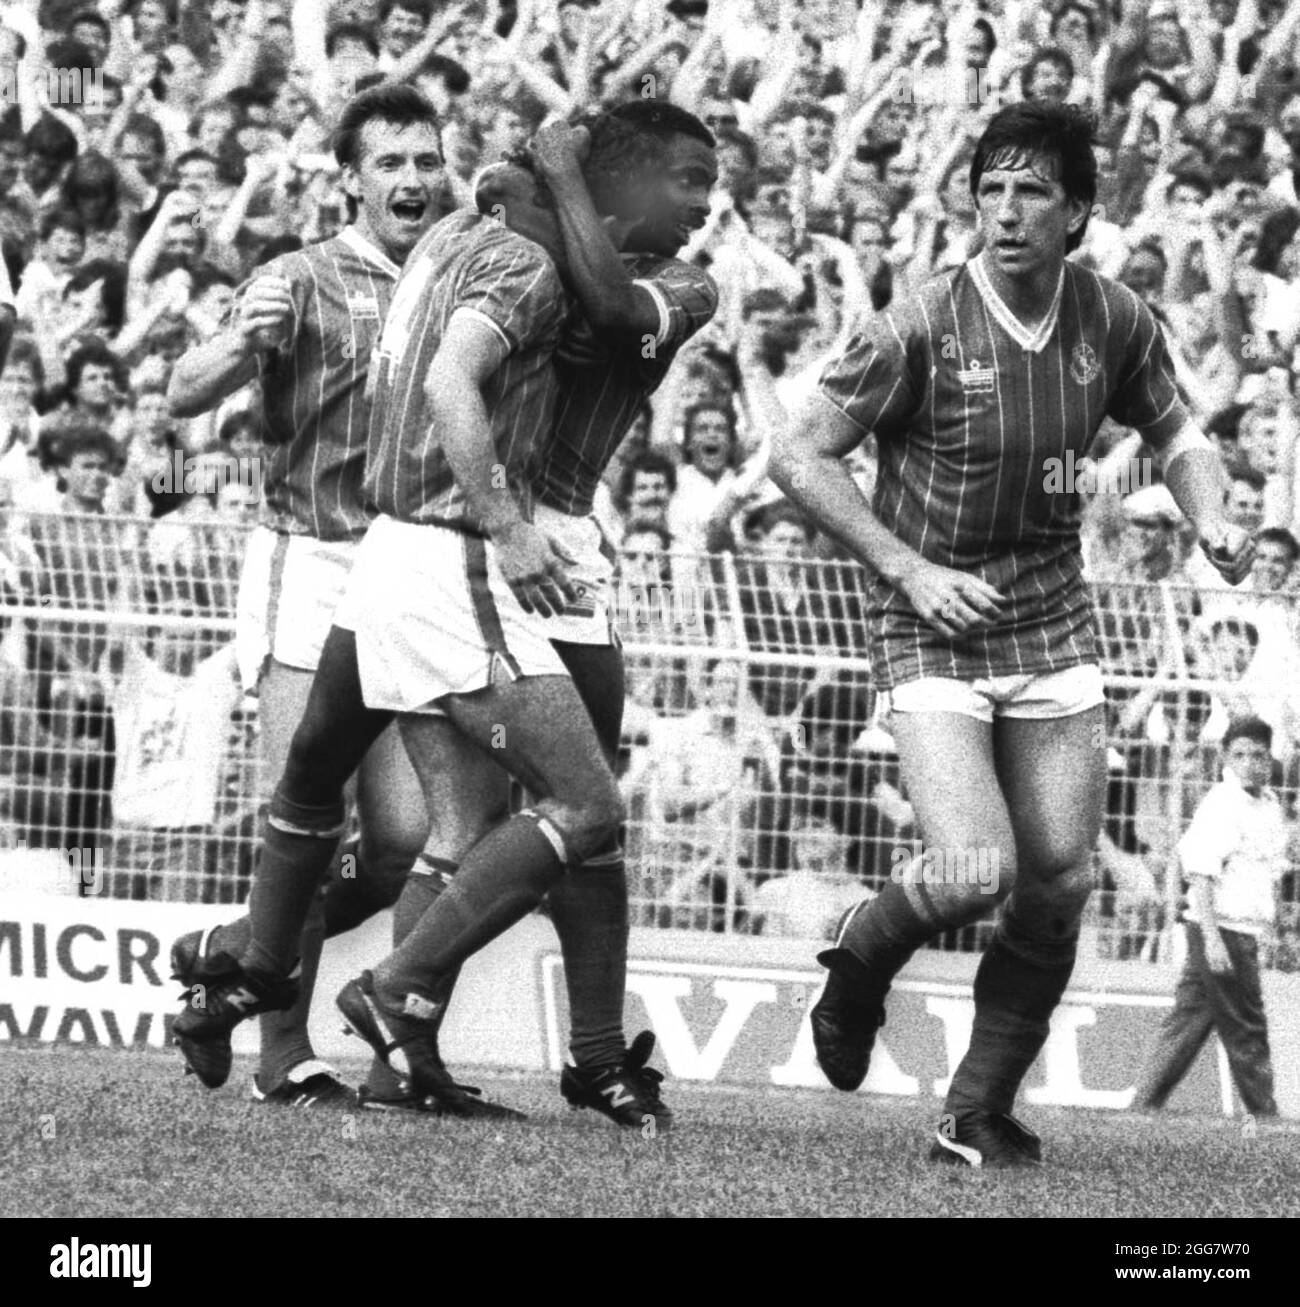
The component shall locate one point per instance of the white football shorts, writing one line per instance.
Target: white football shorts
(1042, 695)
(434, 616)
(289, 587)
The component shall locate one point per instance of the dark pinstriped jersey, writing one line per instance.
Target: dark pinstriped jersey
(314, 409)
(472, 263)
(602, 385)
(968, 411)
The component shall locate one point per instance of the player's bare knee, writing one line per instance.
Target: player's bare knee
(603, 815)
(588, 823)
(1065, 866)
(999, 881)
(976, 867)
(1068, 891)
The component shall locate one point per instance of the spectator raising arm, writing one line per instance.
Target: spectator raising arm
(534, 77)
(1272, 72)
(308, 21)
(178, 206)
(238, 68)
(1228, 89)
(174, 302)
(1204, 70)
(779, 68)
(259, 171)
(758, 392)
(863, 56)
(688, 85)
(413, 61)
(137, 97)
(878, 87)
(625, 80)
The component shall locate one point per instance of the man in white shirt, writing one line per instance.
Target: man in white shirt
(1234, 853)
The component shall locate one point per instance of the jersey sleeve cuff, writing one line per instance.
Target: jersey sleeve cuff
(1187, 438)
(665, 316)
(479, 316)
(843, 412)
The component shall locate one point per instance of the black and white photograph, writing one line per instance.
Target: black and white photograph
(638, 609)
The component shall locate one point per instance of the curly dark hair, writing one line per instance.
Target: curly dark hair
(618, 153)
(627, 141)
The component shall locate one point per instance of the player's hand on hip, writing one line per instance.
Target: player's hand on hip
(950, 601)
(1231, 550)
(266, 310)
(535, 567)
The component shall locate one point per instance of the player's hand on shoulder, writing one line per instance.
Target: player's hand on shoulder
(1231, 550)
(535, 567)
(558, 148)
(266, 310)
(951, 602)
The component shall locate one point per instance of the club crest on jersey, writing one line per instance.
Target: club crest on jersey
(976, 380)
(1084, 366)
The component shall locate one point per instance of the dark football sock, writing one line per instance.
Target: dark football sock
(502, 879)
(427, 880)
(589, 909)
(231, 938)
(297, 848)
(1020, 980)
(885, 933)
(349, 898)
(285, 1041)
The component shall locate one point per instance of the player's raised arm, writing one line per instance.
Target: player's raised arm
(472, 349)
(611, 299)
(208, 373)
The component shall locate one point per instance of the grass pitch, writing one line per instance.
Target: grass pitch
(96, 1133)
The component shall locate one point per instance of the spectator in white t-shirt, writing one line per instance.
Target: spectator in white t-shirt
(1235, 853)
(172, 704)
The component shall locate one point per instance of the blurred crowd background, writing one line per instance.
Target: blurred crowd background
(154, 152)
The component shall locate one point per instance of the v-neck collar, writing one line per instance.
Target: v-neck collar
(1033, 341)
(367, 250)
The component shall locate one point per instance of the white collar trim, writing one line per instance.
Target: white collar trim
(367, 250)
(1026, 339)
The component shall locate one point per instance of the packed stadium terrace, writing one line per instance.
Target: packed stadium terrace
(153, 154)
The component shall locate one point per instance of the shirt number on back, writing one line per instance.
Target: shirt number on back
(406, 299)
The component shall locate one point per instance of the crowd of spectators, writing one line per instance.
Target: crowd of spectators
(154, 152)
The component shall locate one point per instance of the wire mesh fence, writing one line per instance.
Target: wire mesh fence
(763, 787)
